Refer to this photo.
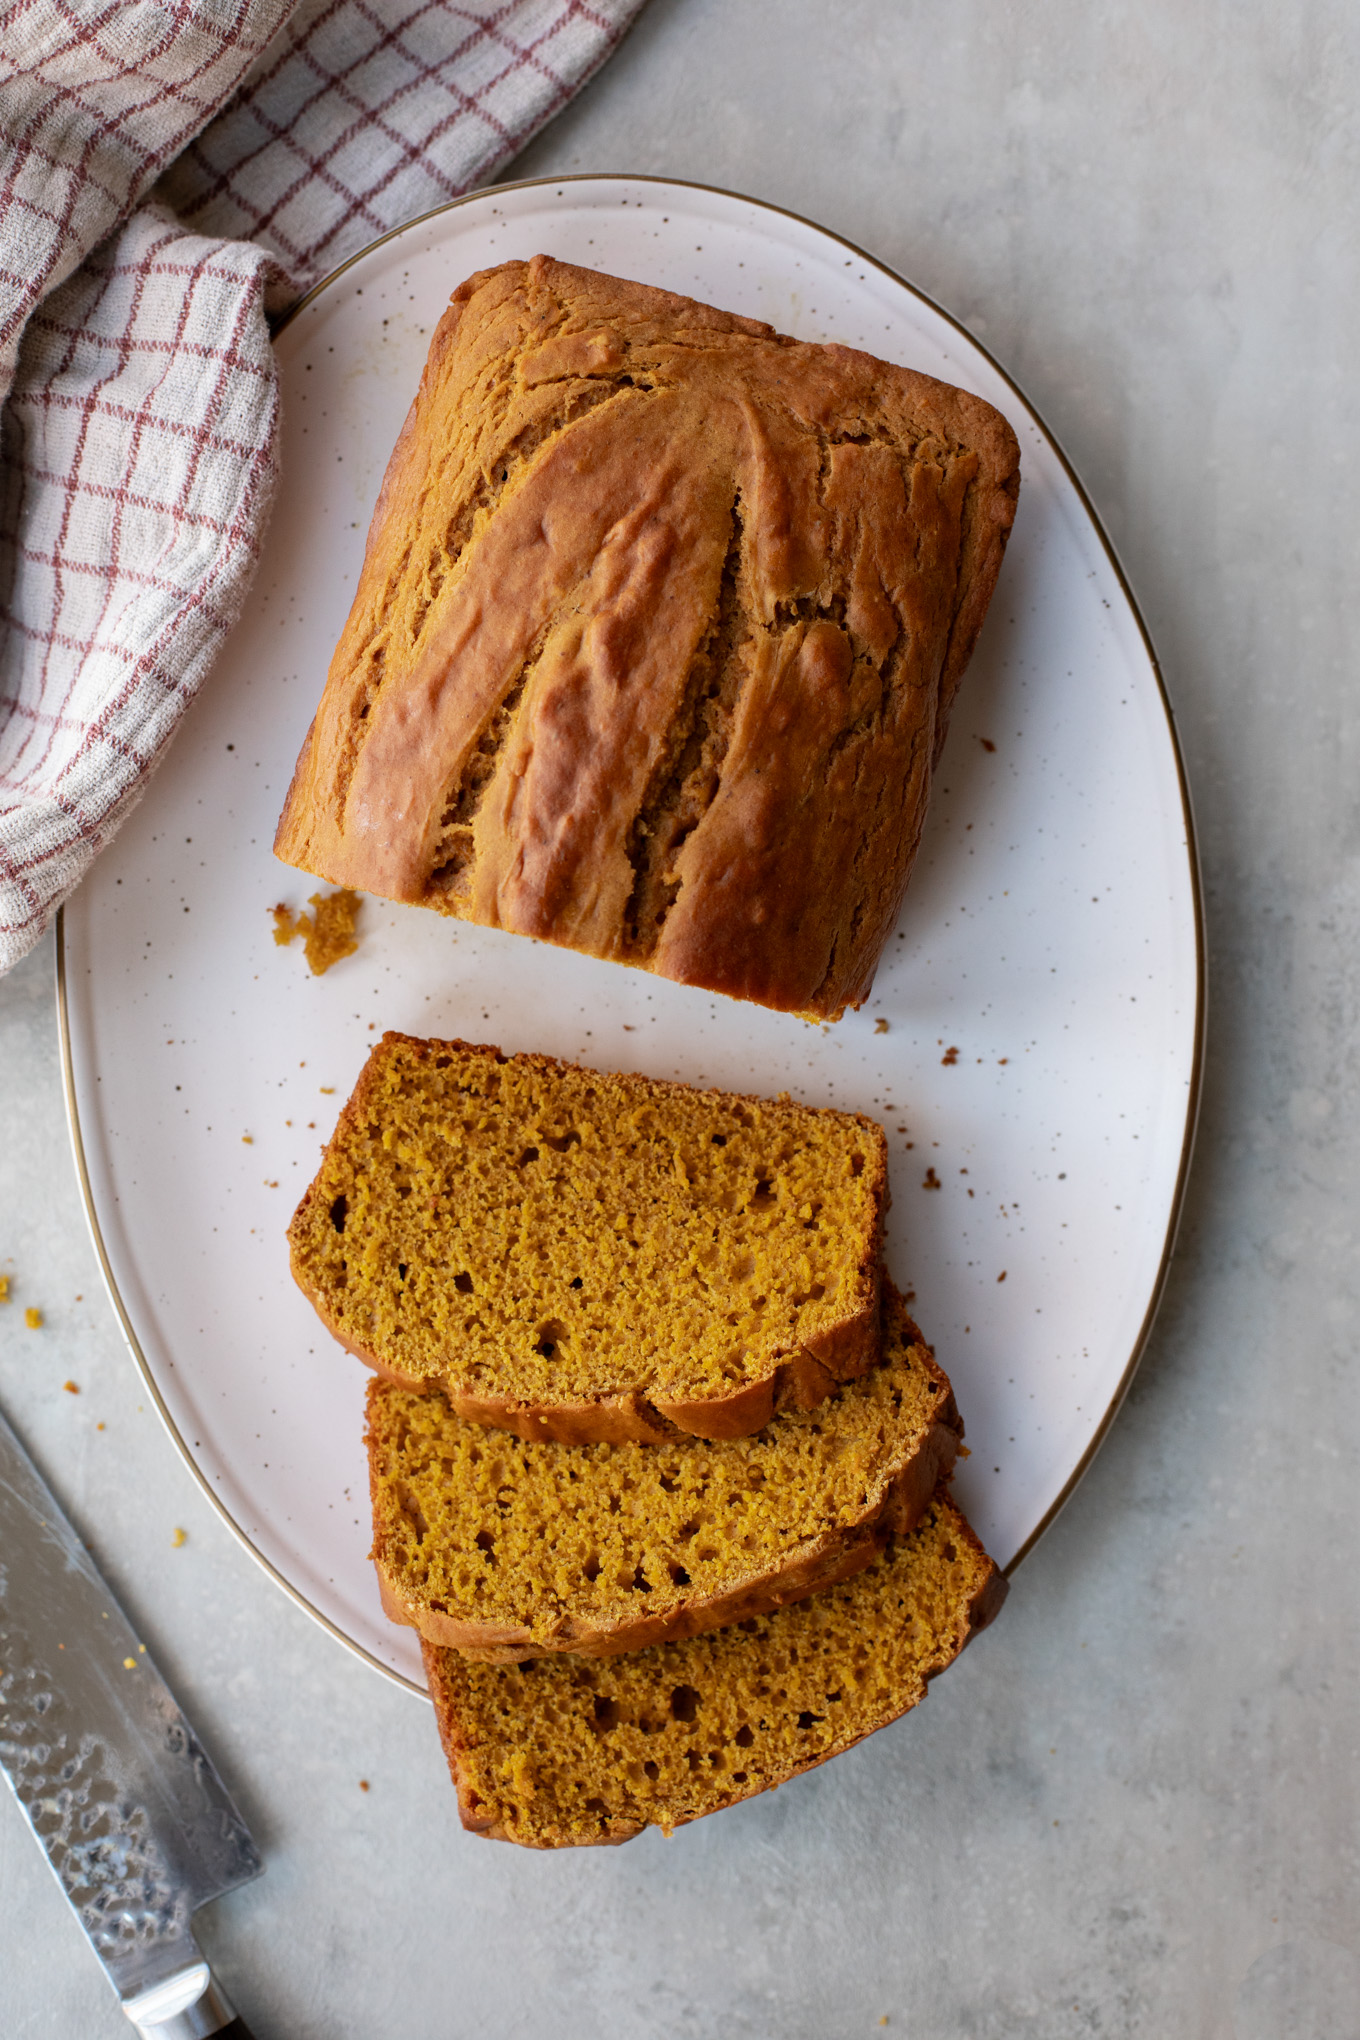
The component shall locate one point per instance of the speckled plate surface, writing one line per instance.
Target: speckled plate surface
(1032, 1042)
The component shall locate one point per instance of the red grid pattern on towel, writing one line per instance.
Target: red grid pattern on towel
(138, 436)
(362, 114)
(145, 405)
(94, 102)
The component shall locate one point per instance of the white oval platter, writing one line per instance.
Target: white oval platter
(1032, 1042)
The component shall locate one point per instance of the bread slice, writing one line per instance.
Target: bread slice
(507, 1550)
(659, 626)
(570, 1750)
(586, 1257)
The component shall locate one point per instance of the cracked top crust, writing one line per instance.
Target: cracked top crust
(658, 629)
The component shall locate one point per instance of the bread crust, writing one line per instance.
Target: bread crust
(980, 1610)
(808, 1567)
(799, 1382)
(660, 624)
(819, 1563)
(798, 1379)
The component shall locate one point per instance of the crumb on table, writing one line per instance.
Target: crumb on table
(70, 1387)
(179, 1537)
(880, 1027)
(33, 1318)
(328, 929)
(4, 1289)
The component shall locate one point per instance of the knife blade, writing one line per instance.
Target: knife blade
(133, 1819)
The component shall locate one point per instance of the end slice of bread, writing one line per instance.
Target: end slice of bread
(584, 1257)
(565, 1751)
(506, 1550)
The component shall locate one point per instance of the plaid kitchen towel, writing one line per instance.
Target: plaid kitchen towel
(171, 170)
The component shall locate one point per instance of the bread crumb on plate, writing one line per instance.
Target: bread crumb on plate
(329, 929)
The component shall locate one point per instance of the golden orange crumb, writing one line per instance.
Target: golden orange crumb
(335, 924)
(949, 1059)
(4, 1289)
(363, 1784)
(33, 1318)
(179, 1537)
(70, 1388)
(99, 1427)
(129, 1664)
(880, 1027)
(247, 1140)
(328, 929)
(328, 1090)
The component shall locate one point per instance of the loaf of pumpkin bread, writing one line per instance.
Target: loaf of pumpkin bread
(659, 626)
(571, 1750)
(508, 1550)
(582, 1257)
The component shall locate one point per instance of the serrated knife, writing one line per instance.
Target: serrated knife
(131, 1815)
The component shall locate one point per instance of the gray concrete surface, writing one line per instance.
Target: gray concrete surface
(1132, 1808)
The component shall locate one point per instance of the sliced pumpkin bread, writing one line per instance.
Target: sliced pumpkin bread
(562, 1751)
(582, 1257)
(508, 1550)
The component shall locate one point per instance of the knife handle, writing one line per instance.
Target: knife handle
(194, 2028)
(192, 2007)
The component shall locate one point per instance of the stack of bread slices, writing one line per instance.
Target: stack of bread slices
(659, 1461)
